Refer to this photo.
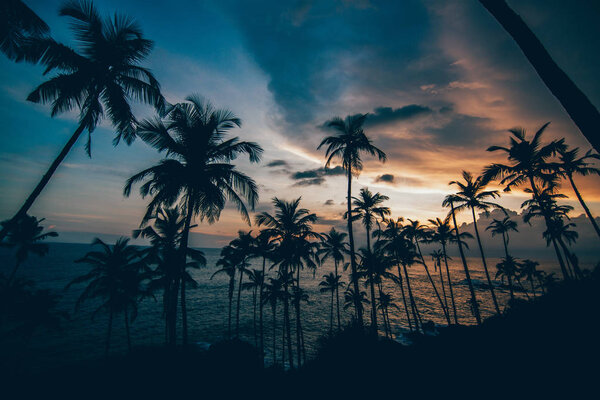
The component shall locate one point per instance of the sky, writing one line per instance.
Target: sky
(441, 80)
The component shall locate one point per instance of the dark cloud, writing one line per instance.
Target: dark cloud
(318, 173)
(328, 203)
(385, 115)
(278, 163)
(398, 180)
(388, 178)
(310, 182)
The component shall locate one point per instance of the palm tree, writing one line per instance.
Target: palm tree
(385, 302)
(529, 166)
(99, 79)
(443, 234)
(273, 293)
(508, 268)
(449, 202)
(367, 207)
(197, 174)
(291, 228)
(502, 227)
(334, 246)
(331, 283)
(417, 232)
(117, 277)
(256, 280)
(570, 165)
(472, 195)
(263, 247)
(25, 236)
(529, 270)
(347, 145)
(228, 267)
(18, 23)
(242, 247)
(436, 257)
(575, 102)
(351, 298)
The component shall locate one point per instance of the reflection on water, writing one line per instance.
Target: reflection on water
(84, 338)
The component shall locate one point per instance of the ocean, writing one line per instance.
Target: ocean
(83, 338)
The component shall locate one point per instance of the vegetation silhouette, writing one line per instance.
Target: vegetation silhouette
(18, 24)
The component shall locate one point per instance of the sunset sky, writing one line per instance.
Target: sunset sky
(441, 79)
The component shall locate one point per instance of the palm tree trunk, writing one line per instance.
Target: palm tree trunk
(487, 273)
(239, 297)
(532, 285)
(574, 101)
(337, 298)
(576, 271)
(230, 294)
(43, 182)
(357, 302)
(437, 294)
(274, 310)
(183, 247)
(173, 312)
(438, 265)
(254, 316)
(184, 329)
(372, 285)
(110, 318)
(331, 314)
(474, 304)
(404, 298)
(127, 331)
(510, 287)
(585, 207)
(413, 304)
(450, 283)
(287, 325)
(260, 309)
(298, 320)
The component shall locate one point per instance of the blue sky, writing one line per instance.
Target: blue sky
(442, 79)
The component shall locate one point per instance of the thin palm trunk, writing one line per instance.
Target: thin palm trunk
(298, 321)
(44, 181)
(260, 323)
(530, 279)
(239, 298)
(474, 304)
(437, 294)
(439, 268)
(510, 286)
(585, 207)
(230, 295)
(254, 316)
(372, 285)
(274, 310)
(357, 302)
(337, 298)
(575, 102)
(110, 319)
(183, 249)
(413, 304)
(568, 255)
(404, 298)
(127, 331)
(331, 313)
(173, 312)
(288, 330)
(487, 273)
(450, 283)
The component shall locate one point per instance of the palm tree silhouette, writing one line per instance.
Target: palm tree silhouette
(334, 246)
(443, 234)
(347, 145)
(474, 305)
(25, 236)
(351, 298)
(436, 257)
(228, 267)
(570, 165)
(529, 165)
(197, 174)
(502, 227)
(508, 268)
(331, 283)
(99, 79)
(263, 247)
(367, 207)
(242, 247)
(256, 280)
(18, 23)
(575, 102)
(116, 277)
(385, 302)
(417, 232)
(472, 195)
(529, 271)
(273, 293)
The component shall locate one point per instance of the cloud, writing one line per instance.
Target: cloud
(387, 178)
(278, 163)
(318, 173)
(329, 203)
(310, 182)
(386, 115)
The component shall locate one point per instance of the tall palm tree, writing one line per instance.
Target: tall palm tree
(228, 267)
(436, 257)
(417, 232)
(116, 277)
(351, 298)
(263, 247)
(291, 227)
(508, 268)
(347, 146)
(273, 293)
(529, 166)
(197, 174)
(26, 236)
(334, 246)
(443, 234)
(255, 282)
(99, 79)
(18, 23)
(570, 165)
(575, 102)
(529, 271)
(502, 227)
(385, 303)
(243, 247)
(472, 195)
(331, 283)
(449, 202)
(367, 207)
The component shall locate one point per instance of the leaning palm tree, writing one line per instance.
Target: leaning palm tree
(436, 257)
(385, 303)
(575, 102)
(255, 283)
(99, 79)
(242, 247)
(417, 232)
(228, 267)
(18, 25)
(331, 283)
(117, 277)
(26, 236)
(474, 305)
(263, 248)
(367, 207)
(334, 246)
(347, 145)
(570, 165)
(473, 196)
(529, 166)
(197, 174)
